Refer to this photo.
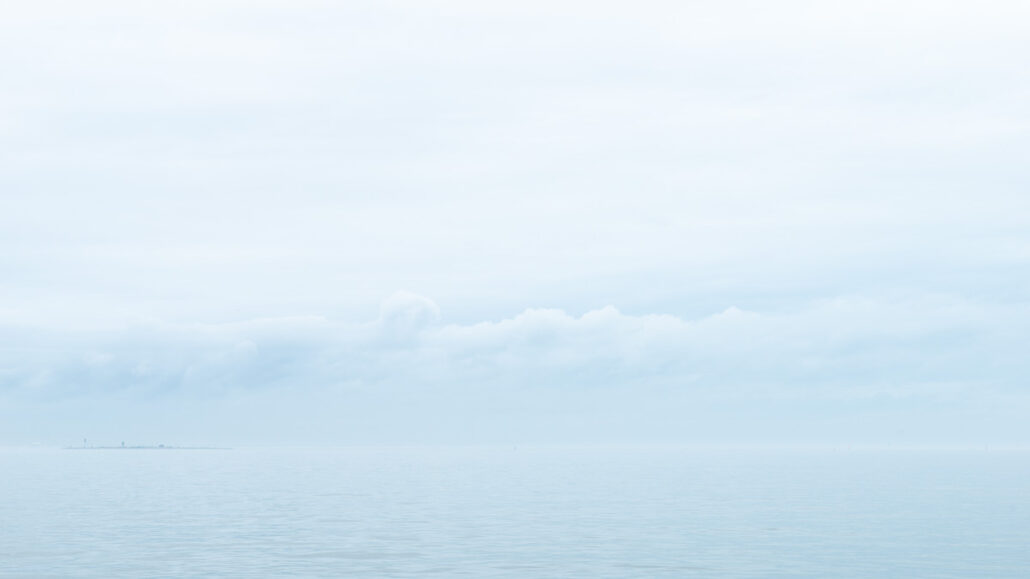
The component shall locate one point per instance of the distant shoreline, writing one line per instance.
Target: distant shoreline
(159, 447)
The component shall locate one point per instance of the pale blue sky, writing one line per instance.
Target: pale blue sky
(234, 222)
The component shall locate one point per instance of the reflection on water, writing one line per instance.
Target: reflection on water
(481, 512)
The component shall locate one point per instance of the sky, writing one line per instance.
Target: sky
(308, 222)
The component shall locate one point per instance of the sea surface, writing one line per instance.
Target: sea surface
(514, 512)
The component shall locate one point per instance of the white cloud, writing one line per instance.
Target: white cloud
(938, 350)
(404, 314)
(538, 339)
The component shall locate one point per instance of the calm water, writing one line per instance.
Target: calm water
(502, 512)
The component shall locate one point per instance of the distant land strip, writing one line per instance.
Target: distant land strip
(157, 447)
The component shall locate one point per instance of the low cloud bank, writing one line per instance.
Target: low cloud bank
(410, 364)
(848, 344)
